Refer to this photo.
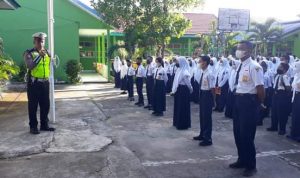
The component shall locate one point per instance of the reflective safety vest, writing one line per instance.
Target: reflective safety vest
(42, 70)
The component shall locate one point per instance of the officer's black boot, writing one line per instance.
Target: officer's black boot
(34, 131)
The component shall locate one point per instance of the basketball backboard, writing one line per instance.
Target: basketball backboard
(233, 19)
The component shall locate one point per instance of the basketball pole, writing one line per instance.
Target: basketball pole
(51, 49)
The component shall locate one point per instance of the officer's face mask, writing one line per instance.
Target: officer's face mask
(240, 54)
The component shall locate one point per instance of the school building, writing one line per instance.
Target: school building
(80, 33)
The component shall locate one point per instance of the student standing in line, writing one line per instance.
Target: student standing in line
(295, 128)
(140, 75)
(221, 85)
(159, 89)
(181, 89)
(123, 72)
(193, 70)
(281, 100)
(206, 100)
(168, 69)
(232, 87)
(149, 82)
(130, 74)
(117, 69)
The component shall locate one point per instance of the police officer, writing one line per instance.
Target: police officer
(38, 61)
(249, 95)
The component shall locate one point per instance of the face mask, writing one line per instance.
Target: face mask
(177, 65)
(240, 54)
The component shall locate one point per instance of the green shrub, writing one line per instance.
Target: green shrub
(20, 77)
(7, 69)
(73, 69)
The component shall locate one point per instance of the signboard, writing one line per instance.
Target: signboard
(233, 19)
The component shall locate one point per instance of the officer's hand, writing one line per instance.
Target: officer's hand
(42, 53)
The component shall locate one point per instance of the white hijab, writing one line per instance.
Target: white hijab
(296, 81)
(124, 69)
(182, 71)
(117, 64)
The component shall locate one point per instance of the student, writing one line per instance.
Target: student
(265, 109)
(140, 75)
(248, 96)
(173, 70)
(159, 89)
(232, 87)
(149, 81)
(117, 70)
(168, 69)
(193, 70)
(295, 128)
(221, 84)
(129, 76)
(206, 100)
(181, 89)
(123, 73)
(281, 100)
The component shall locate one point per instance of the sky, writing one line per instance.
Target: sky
(260, 10)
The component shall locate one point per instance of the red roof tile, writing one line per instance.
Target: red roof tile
(201, 23)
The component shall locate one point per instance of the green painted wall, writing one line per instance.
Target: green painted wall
(17, 27)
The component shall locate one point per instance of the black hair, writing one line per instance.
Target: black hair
(128, 60)
(150, 57)
(138, 58)
(248, 44)
(286, 57)
(206, 59)
(285, 66)
(160, 60)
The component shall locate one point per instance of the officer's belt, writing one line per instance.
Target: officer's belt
(39, 79)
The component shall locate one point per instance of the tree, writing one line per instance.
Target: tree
(146, 22)
(264, 34)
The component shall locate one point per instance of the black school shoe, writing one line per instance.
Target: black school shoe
(141, 104)
(198, 138)
(159, 114)
(205, 143)
(34, 131)
(47, 129)
(236, 165)
(272, 129)
(249, 172)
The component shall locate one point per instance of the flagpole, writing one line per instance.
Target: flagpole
(51, 49)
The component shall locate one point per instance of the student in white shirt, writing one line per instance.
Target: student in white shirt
(159, 89)
(129, 75)
(221, 85)
(123, 73)
(117, 69)
(149, 82)
(140, 75)
(295, 128)
(182, 88)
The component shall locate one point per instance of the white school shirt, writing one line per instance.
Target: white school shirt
(222, 76)
(130, 71)
(149, 70)
(250, 76)
(160, 74)
(140, 72)
(267, 80)
(208, 80)
(281, 79)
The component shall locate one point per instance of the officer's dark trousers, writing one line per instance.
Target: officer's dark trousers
(221, 99)
(244, 128)
(206, 105)
(38, 94)
(117, 79)
(149, 89)
(280, 109)
(139, 89)
(295, 129)
(130, 86)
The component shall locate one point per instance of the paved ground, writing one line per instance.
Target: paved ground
(101, 134)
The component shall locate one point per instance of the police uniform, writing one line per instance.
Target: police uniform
(149, 85)
(129, 76)
(206, 84)
(281, 104)
(159, 91)
(38, 86)
(140, 75)
(249, 76)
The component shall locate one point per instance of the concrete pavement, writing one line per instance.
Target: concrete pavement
(101, 134)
